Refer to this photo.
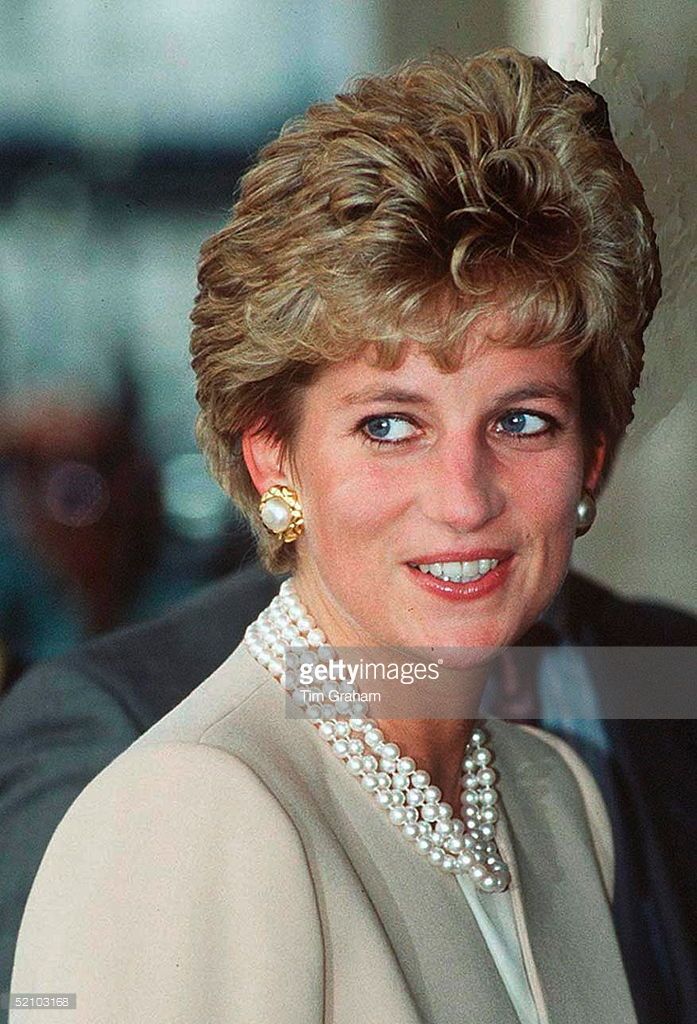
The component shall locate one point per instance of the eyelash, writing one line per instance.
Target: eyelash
(552, 426)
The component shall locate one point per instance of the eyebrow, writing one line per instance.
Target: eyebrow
(403, 396)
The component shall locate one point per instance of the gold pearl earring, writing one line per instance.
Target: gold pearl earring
(586, 511)
(281, 512)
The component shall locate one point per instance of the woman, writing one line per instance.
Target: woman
(416, 346)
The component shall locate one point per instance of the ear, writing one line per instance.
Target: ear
(264, 459)
(595, 460)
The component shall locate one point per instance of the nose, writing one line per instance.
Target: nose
(463, 486)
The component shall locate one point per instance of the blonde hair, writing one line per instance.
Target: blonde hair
(442, 180)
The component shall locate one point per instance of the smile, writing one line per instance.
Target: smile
(457, 572)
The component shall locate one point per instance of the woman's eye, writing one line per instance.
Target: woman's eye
(523, 424)
(387, 429)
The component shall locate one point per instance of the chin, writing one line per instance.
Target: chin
(459, 648)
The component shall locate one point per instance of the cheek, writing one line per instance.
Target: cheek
(545, 495)
(349, 497)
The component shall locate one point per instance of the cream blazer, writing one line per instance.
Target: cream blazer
(226, 869)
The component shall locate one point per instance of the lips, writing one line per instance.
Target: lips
(464, 591)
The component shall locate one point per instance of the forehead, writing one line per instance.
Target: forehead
(486, 367)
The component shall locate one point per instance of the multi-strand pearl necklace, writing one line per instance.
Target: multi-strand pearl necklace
(405, 793)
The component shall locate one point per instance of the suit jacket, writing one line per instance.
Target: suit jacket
(65, 720)
(226, 867)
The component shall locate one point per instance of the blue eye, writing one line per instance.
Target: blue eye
(387, 429)
(523, 424)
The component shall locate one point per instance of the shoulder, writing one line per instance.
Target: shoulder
(174, 787)
(149, 668)
(185, 843)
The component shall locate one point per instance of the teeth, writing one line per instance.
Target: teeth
(459, 572)
(453, 570)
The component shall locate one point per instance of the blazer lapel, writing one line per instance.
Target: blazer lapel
(569, 921)
(435, 939)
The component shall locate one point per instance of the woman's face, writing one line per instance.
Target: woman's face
(412, 467)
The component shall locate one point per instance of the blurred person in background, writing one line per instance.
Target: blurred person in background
(132, 680)
(82, 522)
(87, 541)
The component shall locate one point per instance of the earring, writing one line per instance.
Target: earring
(281, 512)
(586, 511)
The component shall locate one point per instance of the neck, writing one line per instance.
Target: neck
(436, 744)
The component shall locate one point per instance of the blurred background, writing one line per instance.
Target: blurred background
(123, 130)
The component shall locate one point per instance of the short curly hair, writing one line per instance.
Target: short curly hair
(469, 180)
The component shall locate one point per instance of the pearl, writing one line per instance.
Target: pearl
(373, 738)
(283, 637)
(477, 873)
(275, 514)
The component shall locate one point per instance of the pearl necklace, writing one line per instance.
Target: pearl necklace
(399, 787)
